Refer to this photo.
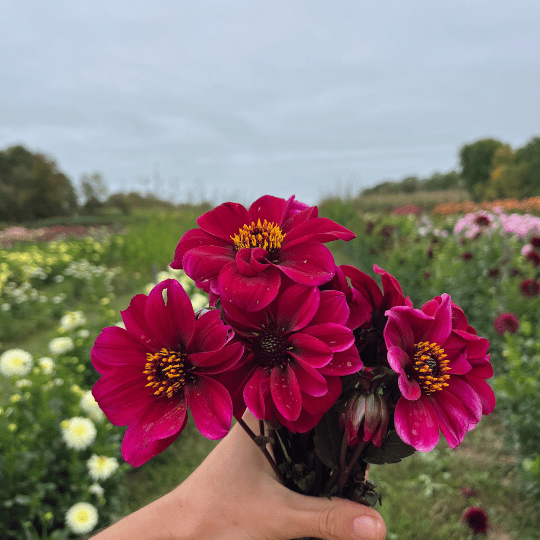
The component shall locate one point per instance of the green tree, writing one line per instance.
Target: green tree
(32, 187)
(93, 191)
(530, 155)
(476, 161)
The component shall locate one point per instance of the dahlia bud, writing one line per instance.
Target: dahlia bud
(366, 419)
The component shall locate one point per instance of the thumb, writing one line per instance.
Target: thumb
(334, 519)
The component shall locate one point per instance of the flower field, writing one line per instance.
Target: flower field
(61, 470)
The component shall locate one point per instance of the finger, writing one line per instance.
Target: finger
(332, 519)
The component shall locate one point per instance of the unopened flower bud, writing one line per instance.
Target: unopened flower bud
(354, 417)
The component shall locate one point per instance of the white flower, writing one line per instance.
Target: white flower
(120, 324)
(148, 288)
(162, 276)
(101, 467)
(89, 405)
(84, 333)
(47, 365)
(198, 301)
(82, 517)
(78, 432)
(58, 279)
(5, 306)
(61, 345)
(96, 489)
(15, 362)
(72, 319)
(23, 383)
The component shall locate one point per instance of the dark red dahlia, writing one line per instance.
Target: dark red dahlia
(482, 220)
(441, 364)
(240, 255)
(467, 256)
(533, 258)
(296, 350)
(164, 362)
(535, 242)
(476, 519)
(530, 287)
(506, 322)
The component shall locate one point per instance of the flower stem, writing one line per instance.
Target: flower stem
(347, 470)
(262, 446)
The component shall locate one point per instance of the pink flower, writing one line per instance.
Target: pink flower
(164, 361)
(476, 519)
(241, 255)
(295, 352)
(506, 322)
(441, 365)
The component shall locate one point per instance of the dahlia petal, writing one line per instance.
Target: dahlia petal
(243, 263)
(483, 391)
(244, 322)
(253, 396)
(258, 259)
(136, 325)
(393, 293)
(419, 323)
(310, 380)
(173, 322)
(308, 263)
(410, 389)
(481, 369)
(194, 238)
(318, 229)
(337, 337)
(468, 397)
(317, 406)
(343, 363)
(270, 208)
(307, 213)
(115, 347)
(416, 423)
(365, 284)
(136, 450)
(225, 220)
(286, 392)
(361, 310)
(332, 308)
(442, 322)
(205, 262)
(211, 407)
(209, 333)
(249, 293)
(452, 417)
(296, 306)
(122, 395)
(398, 359)
(309, 350)
(214, 362)
(398, 331)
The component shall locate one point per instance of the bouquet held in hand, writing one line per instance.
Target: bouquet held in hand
(339, 371)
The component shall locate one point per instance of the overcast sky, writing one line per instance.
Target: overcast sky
(233, 99)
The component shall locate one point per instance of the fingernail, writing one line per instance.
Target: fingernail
(366, 527)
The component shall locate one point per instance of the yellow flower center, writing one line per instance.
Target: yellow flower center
(267, 236)
(431, 367)
(168, 372)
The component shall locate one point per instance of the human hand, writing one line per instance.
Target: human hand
(235, 495)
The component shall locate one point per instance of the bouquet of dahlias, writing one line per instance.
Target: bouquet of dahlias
(339, 373)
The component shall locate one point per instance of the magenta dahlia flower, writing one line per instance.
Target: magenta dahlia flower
(164, 362)
(295, 352)
(441, 365)
(241, 254)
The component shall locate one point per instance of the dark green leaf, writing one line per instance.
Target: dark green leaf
(392, 450)
(328, 439)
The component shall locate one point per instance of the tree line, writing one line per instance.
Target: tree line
(32, 187)
(489, 170)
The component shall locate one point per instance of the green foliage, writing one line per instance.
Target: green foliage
(530, 155)
(476, 161)
(32, 187)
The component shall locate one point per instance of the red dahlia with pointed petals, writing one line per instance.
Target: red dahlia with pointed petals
(240, 255)
(164, 362)
(296, 349)
(476, 519)
(441, 364)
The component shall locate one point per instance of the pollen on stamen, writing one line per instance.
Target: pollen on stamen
(167, 372)
(431, 367)
(266, 235)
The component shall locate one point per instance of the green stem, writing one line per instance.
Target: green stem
(263, 448)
